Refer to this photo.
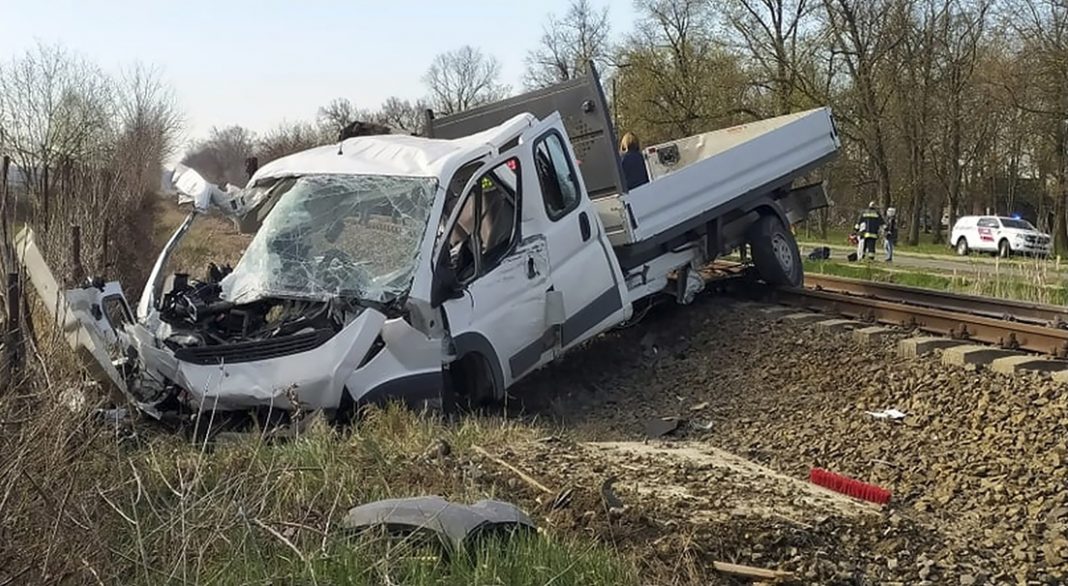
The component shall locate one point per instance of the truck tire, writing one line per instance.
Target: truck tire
(775, 253)
(962, 246)
(1004, 250)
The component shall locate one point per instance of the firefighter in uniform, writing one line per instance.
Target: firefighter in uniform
(867, 228)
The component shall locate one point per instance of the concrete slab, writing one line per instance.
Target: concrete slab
(966, 355)
(1026, 363)
(838, 325)
(871, 334)
(914, 347)
(804, 318)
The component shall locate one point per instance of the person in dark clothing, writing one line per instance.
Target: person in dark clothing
(634, 171)
(890, 234)
(867, 228)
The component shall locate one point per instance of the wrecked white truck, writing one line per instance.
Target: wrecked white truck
(444, 267)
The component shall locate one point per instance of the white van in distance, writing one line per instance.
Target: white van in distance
(1000, 235)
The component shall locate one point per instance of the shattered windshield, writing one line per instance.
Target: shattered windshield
(336, 235)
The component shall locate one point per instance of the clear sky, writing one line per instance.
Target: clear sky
(256, 63)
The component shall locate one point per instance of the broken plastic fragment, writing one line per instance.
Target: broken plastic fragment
(454, 524)
(892, 414)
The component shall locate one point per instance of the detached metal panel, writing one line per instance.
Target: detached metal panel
(584, 110)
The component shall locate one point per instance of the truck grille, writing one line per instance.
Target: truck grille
(253, 351)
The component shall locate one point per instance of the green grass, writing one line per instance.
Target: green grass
(840, 237)
(1022, 283)
(252, 512)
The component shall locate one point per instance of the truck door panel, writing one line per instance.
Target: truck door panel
(582, 263)
(504, 275)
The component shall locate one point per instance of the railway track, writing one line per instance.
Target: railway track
(1005, 323)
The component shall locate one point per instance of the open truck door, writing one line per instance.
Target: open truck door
(583, 266)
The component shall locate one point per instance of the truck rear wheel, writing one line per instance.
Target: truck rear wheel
(775, 253)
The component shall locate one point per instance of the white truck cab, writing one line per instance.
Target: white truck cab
(429, 269)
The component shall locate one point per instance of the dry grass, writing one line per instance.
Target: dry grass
(210, 239)
(84, 501)
(87, 502)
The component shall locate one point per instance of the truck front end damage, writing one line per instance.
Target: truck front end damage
(315, 315)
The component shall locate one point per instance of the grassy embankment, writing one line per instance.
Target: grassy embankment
(1034, 282)
(88, 502)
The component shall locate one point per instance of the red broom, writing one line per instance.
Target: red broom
(849, 486)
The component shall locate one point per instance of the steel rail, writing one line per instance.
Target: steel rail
(947, 322)
(1039, 314)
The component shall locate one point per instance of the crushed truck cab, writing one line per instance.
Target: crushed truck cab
(428, 269)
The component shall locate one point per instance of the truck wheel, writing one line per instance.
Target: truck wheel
(775, 253)
(962, 246)
(1004, 250)
(472, 384)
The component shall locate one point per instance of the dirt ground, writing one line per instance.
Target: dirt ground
(976, 468)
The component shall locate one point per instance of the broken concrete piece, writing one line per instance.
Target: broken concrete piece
(453, 523)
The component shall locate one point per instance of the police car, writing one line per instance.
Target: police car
(1000, 235)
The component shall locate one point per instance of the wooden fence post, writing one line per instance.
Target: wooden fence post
(45, 203)
(77, 270)
(13, 334)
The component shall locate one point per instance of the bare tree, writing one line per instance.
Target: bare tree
(338, 114)
(55, 106)
(462, 79)
(779, 38)
(674, 78)
(963, 121)
(288, 138)
(568, 43)
(221, 157)
(403, 115)
(864, 37)
(1042, 27)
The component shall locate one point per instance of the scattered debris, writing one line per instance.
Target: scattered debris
(849, 486)
(611, 502)
(655, 428)
(821, 253)
(453, 523)
(700, 406)
(751, 572)
(438, 450)
(891, 414)
(522, 475)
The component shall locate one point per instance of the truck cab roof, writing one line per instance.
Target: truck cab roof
(395, 154)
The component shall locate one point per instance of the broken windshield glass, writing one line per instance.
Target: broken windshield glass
(330, 236)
